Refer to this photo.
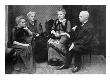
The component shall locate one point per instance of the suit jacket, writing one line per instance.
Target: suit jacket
(83, 37)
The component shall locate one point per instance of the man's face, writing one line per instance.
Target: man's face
(61, 15)
(22, 23)
(32, 17)
(82, 17)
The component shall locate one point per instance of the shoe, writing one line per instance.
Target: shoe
(62, 67)
(17, 69)
(75, 69)
(27, 71)
(55, 63)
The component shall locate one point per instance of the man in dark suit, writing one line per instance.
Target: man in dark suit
(81, 42)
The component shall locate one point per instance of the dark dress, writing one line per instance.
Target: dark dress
(35, 27)
(58, 51)
(23, 52)
(39, 43)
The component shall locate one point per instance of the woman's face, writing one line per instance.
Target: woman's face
(61, 15)
(32, 17)
(22, 23)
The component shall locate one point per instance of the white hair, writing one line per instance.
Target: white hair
(85, 14)
(31, 12)
(19, 18)
(63, 10)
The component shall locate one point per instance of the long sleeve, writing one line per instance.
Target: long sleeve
(13, 35)
(83, 41)
(53, 27)
(68, 26)
(64, 38)
(39, 27)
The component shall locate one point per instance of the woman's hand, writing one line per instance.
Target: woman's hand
(26, 45)
(21, 44)
(57, 34)
(37, 34)
(30, 33)
(53, 32)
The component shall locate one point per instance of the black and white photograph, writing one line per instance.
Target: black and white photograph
(55, 39)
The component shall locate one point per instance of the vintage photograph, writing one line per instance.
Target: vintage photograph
(55, 39)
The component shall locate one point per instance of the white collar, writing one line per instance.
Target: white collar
(62, 20)
(84, 23)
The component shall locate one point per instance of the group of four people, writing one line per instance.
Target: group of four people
(63, 43)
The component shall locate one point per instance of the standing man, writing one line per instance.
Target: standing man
(81, 43)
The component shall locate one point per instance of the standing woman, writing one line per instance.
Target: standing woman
(22, 37)
(60, 35)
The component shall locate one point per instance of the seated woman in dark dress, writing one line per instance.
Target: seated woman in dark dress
(34, 26)
(57, 43)
(22, 37)
(38, 41)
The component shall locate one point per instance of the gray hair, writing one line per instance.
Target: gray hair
(31, 12)
(19, 18)
(63, 10)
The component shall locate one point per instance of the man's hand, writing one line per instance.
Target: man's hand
(74, 28)
(71, 47)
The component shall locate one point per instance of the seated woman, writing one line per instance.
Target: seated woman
(34, 25)
(38, 41)
(57, 43)
(22, 37)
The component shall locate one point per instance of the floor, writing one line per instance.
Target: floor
(97, 66)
